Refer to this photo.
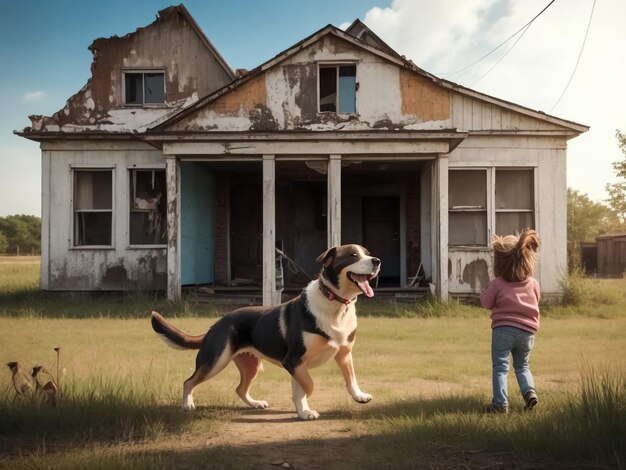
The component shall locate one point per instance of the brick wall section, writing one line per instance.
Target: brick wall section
(222, 228)
(412, 210)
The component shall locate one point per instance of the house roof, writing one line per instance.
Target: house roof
(618, 233)
(371, 42)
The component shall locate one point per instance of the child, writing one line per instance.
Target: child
(513, 298)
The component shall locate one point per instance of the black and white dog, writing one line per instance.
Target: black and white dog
(298, 335)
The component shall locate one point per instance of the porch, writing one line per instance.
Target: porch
(230, 206)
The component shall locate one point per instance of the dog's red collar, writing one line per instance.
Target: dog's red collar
(330, 295)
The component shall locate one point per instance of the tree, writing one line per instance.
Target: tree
(22, 233)
(587, 219)
(617, 191)
(4, 243)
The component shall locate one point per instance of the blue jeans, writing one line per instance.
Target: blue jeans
(507, 340)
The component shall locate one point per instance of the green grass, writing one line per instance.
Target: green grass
(427, 366)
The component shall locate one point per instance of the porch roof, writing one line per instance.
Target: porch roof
(307, 142)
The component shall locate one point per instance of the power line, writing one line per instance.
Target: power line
(501, 44)
(580, 53)
(501, 58)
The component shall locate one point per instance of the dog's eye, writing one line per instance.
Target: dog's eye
(354, 254)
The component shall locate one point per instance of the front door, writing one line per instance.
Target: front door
(381, 235)
(196, 225)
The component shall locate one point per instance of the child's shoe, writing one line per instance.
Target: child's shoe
(496, 409)
(531, 400)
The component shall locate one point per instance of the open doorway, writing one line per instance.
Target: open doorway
(381, 234)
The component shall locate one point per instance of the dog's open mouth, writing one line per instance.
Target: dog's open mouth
(362, 281)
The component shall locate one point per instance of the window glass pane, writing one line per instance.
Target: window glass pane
(134, 88)
(468, 188)
(92, 228)
(328, 89)
(511, 223)
(148, 207)
(514, 189)
(155, 87)
(347, 89)
(93, 190)
(467, 228)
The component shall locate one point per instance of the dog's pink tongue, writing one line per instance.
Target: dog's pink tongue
(364, 285)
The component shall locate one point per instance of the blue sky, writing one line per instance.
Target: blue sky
(44, 57)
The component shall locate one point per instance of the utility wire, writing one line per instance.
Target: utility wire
(501, 58)
(500, 45)
(580, 53)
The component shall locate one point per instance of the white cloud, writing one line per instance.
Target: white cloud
(448, 35)
(33, 96)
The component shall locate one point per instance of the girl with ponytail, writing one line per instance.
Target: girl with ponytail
(513, 298)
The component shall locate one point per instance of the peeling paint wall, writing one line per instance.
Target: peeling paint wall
(169, 44)
(388, 97)
(547, 155)
(85, 268)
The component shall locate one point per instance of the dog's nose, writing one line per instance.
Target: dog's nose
(375, 262)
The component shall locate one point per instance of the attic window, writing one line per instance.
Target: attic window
(141, 88)
(337, 86)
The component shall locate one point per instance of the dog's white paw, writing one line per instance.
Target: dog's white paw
(308, 414)
(362, 397)
(189, 407)
(258, 404)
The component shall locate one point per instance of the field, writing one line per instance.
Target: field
(427, 366)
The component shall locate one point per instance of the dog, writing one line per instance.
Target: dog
(301, 334)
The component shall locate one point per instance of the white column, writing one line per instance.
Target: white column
(333, 213)
(46, 174)
(269, 231)
(441, 211)
(172, 177)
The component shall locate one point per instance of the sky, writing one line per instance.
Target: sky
(45, 60)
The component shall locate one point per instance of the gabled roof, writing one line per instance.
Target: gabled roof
(370, 42)
(185, 14)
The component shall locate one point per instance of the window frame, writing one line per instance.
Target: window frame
(143, 72)
(74, 169)
(336, 65)
(491, 171)
(533, 194)
(129, 170)
(472, 209)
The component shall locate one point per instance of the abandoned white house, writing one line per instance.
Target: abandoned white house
(169, 169)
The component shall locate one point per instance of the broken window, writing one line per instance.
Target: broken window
(514, 201)
(147, 207)
(93, 207)
(144, 88)
(467, 211)
(337, 87)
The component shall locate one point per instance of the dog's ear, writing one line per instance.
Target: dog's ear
(328, 256)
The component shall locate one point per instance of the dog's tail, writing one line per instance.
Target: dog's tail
(174, 337)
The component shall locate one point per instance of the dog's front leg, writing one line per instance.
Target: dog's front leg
(301, 387)
(344, 361)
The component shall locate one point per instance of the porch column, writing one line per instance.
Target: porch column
(270, 296)
(172, 177)
(441, 222)
(333, 213)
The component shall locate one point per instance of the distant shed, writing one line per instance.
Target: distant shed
(612, 253)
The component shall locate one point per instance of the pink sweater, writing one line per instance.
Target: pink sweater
(513, 303)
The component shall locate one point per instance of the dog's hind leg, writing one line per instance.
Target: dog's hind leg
(249, 366)
(203, 373)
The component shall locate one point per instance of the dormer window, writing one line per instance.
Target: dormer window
(144, 88)
(337, 87)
